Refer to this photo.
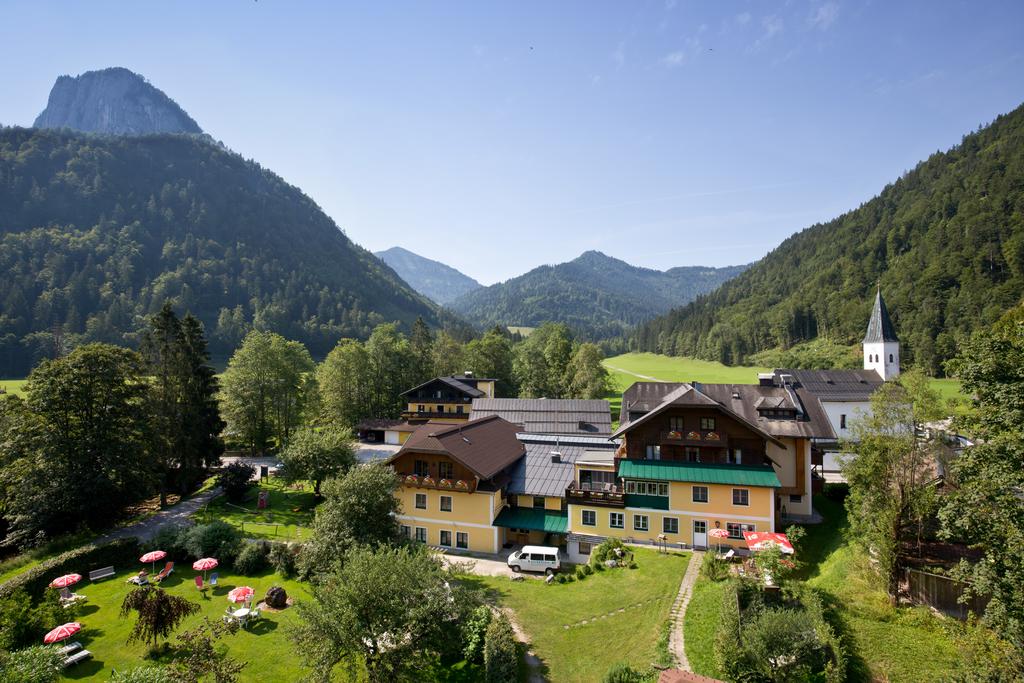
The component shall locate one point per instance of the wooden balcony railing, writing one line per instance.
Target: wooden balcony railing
(608, 495)
(693, 438)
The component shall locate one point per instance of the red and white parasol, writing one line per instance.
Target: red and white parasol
(762, 540)
(62, 632)
(240, 594)
(65, 581)
(153, 557)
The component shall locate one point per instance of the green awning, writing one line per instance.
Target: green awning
(551, 521)
(700, 473)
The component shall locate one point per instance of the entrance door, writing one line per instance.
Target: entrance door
(523, 536)
(700, 533)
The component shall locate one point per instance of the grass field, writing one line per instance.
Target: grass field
(288, 517)
(701, 624)
(551, 615)
(265, 647)
(13, 386)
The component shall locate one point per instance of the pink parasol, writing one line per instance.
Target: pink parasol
(65, 581)
(153, 557)
(719, 533)
(204, 564)
(240, 594)
(62, 632)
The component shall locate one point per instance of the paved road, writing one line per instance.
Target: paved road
(178, 515)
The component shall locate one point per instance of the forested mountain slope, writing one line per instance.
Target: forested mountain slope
(97, 231)
(433, 279)
(945, 241)
(596, 295)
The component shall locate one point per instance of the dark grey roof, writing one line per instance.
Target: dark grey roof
(454, 382)
(743, 401)
(880, 327)
(537, 475)
(548, 415)
(835, 385)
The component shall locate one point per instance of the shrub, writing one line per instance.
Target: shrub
(581, 572)
(217, 539)
(235, 480)
(837, 491)
(143, 674)
(253, 558)
(501, 656)
(19, 623)
(714, 568)
(124, 552)
(588, 570)
(633, 564)
(623, 673)
(36, 664)
(283, 558)
(171, 539)
(474, 632)
(609, 549)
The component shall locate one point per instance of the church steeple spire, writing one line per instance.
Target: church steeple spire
(880, 327)
(881, 346)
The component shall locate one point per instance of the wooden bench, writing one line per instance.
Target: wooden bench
(77, 657)
(104, 573)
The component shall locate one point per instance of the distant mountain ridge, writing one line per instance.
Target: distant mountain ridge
(435, 280)
(596, 295)
(945, 241)
(113, 101)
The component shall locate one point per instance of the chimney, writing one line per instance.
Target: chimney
(556, 456)
(766, 379)
(468, 374)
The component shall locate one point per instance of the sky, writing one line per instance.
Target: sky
(496, 137)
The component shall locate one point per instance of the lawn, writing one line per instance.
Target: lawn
(265, 647)
(626, 608)
(288, 517)
(13, 386)
(904, 644)
(701, 625)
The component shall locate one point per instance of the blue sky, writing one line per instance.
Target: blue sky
(500, 136)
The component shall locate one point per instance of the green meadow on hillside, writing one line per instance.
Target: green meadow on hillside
(12, 386)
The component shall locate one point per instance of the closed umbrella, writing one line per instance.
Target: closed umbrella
(204, 565)
(240, 594)
(62, 632)
(65, 581)
(153, 557)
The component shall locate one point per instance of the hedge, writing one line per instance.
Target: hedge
(123, 551)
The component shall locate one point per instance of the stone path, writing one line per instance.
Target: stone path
(678, 615)
(621, 610)
(178, 515)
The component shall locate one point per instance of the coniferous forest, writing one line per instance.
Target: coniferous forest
(945, 242)
(96, 232)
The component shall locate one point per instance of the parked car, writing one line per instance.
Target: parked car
(535, 558)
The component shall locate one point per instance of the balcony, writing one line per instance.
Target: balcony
(431, 415)
(693, 437)
(428, 482)
(608, 495)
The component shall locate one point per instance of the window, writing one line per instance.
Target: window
(458, 409)
(700, 526)
(640, 522)
(741, 497)
(446, 503)
(707, 424)
(675, 424)
(437, 394)
(421, 534)
(736, 530)
(616, 520)
(735, 456)
(842, 421)
(890, 357)
(795, 498)
(421, 501)
(538, 502)
(406, 531)
(647, 488)
(670, 525)
(461, 540)
(445, 539)
(653, 452)
(589, 518)
(584, 548)
(420, 408)
(445, 470)
(440, 409)
(700, 494)
(421, 468)
(692, 454)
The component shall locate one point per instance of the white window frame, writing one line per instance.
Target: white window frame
(440, 538)
(740, 527)
(443, 499)
(746, 493)
(593, 517)
(664, 525)
(424, 499)
(646, 520)
(406, 530)
(464, 543)
(707, 495)
(622, 520)
(417, 534)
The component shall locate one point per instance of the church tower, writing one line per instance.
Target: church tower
(881, 347)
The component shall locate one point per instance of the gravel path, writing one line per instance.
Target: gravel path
(178, 515)
(675, 639)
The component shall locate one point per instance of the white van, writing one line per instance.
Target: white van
(535, 558)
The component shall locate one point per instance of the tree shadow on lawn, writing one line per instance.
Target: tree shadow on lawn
(856, 667)
(262, 627)
(822, 540)
(86, 610)
(83, 670)
(491, 595)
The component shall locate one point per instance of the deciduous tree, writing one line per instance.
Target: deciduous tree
(159, 613)
(318, 454)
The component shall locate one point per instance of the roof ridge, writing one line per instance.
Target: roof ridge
(463, 425)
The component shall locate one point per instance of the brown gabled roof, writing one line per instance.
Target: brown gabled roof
(456, 383)
(549, 415)
(486, 446)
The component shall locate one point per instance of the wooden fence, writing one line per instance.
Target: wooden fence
(941, 593)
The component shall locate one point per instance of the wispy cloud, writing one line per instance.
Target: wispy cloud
(743, 18)
(674, 59)
(771, 25)
(824, 15)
